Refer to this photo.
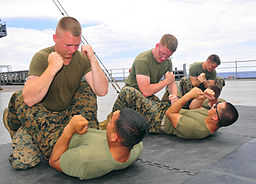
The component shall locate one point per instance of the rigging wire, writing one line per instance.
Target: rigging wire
(109, 76)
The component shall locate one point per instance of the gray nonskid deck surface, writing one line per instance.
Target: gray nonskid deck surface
(236, 168)
(226, 157)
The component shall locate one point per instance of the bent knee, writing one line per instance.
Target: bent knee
(20, 161)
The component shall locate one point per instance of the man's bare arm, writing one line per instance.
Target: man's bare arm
(194, 81)
(197, 102)
(96, 77)
(35, 87)
(148, 89)
(172, 112)
(78, 124)
(172, 90)
(208, 83)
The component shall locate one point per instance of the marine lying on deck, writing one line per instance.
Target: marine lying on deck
(94, 153)
(196, 123)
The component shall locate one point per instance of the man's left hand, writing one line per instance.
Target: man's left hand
(208, 93)
(88, 51)
(173, 98)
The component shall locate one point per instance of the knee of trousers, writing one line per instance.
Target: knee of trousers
(84, 87)
(25, 153)
(19, 162)
(129, 91)
(16, 101)
(84, 95)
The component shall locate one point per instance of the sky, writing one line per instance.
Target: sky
(119, 30)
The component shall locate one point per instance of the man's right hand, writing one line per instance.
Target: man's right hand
(195, 92)
(55, 62)
(78, 124)
(201, 77)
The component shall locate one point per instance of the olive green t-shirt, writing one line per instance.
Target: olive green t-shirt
(65, 81)
(88, 156)
(190, 126)
(196, 69)
(146, 64)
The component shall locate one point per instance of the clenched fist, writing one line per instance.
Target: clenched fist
(88, 51)
(55, 62)
(201, 77)
(78, 124)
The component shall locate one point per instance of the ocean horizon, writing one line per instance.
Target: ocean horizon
(239, 75)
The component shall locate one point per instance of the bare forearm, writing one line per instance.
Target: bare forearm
(35, 89)
(152, 89)
(100, 80)
(77, 124)
(208, 83)
(176, 107)
(196, 103)
(195, 83)
(172, 88)
(60, 147)
(96, 78)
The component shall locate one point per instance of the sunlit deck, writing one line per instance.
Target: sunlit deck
(227, 157)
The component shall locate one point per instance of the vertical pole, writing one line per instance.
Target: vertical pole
(236, 69)
(123, 74)
(184, 70)
(0, 81)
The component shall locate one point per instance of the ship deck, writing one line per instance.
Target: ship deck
(226, 157)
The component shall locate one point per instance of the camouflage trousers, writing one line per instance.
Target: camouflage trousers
(185, 86)
(152, 110)
(38, 129)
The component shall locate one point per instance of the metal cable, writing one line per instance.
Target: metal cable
(108, 75)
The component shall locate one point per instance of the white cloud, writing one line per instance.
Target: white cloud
(202, 27)
(18, 47)
(27, 8)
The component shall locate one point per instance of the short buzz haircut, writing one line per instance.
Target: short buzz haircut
(169, 41)
(214, 58)
(228, 115)
(131, 127)
(69, 24)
